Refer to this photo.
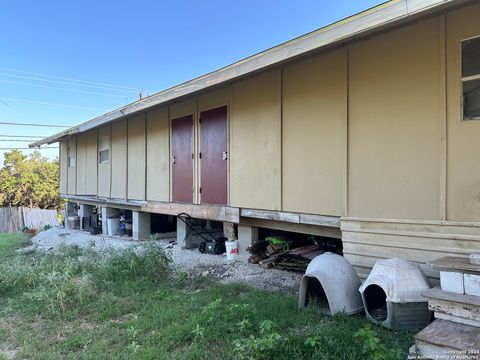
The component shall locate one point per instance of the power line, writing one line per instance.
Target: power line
(28, 124)
(64, 89)
(26, 148)
(23, 136)
(65, 83)
(17, 140)
(73, 79)
(51, 104)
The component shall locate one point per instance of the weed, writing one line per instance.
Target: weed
(372, 346)
(261, 347)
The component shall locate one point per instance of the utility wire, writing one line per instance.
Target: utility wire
(23, 136)
(28, 124)
(16, 140)
(64, 89)
(65, 82)
(26, 148)
(73, 79)
(52, 104)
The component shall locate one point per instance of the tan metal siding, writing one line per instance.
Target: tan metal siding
(313, 134)
(91, 164)
(136, 158)
(81, 163)
(119, 160)
(158, 148)
(463, 170)
(394, 130)
(72, 171)
(63, 149)
(104, 169)
(255, 132)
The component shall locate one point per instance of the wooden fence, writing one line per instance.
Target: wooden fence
(14, 219)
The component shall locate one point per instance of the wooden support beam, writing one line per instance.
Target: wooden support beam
(295, 218)
(208, 212)
(326, 231)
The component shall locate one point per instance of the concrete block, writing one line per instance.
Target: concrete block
(140, 225)
(451, 281)
(472, 284)
(106, 212)
(85, 210)
(247, 235)
(182, 231)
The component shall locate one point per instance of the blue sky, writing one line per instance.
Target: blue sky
(147, 45)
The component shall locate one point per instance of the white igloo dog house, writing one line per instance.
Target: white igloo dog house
(332, 283)
(392, 296)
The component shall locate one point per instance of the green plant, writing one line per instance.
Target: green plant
(312, 341)
(47, 226)
(259, 347)
(372, 347)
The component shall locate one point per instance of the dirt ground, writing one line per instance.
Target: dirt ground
(192, 262)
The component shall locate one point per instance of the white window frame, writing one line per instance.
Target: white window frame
(464, 79)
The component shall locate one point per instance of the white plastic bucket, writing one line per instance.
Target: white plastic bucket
(113, 225)
(232, 249)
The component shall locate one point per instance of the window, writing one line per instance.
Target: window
(71, 160)
(471, 78)
(103, 150)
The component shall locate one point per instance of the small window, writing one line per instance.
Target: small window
(71, 160)
(71, 155)
(471, 79)
(104, 150)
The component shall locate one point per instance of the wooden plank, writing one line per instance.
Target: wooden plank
(271, 215)
(437, 293)
(309, 219)
(456, 263)
(208, 212)
(448, 245)
(440, 332)
(456, 319)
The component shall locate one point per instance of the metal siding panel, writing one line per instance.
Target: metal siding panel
(119, 160)
(63, 167)
(313, 134)
(81, 164)
(255, 142)
(136, 158)
(158, 171)
(91, 163)
(103, 178)
(394, 129)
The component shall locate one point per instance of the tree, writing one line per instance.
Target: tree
(30, 181)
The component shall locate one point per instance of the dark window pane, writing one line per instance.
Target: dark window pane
(471, 57)
(104, 156)
(471, 99)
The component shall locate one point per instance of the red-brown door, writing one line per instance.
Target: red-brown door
(182, 159)
(213, 156)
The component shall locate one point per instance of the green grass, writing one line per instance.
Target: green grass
(116, 305)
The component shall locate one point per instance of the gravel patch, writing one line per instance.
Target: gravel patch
(192, 262)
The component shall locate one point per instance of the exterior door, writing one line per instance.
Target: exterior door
(182, 159)
(213, 156)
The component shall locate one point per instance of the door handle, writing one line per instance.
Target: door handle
(224, 155)
(173, 160)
